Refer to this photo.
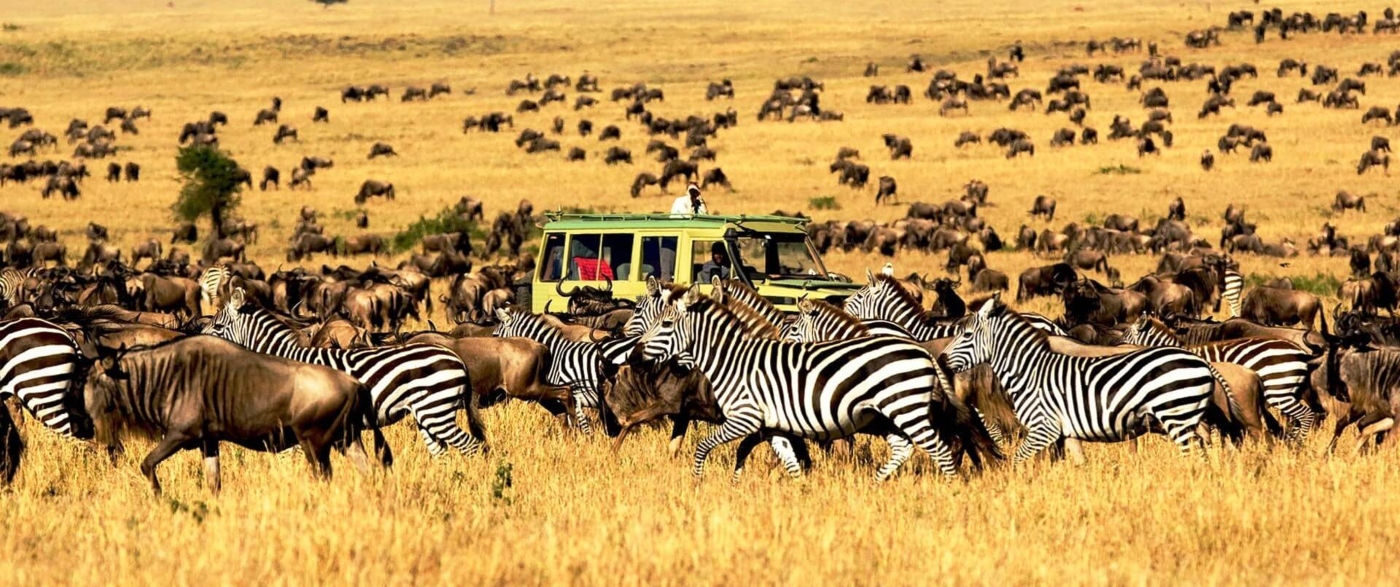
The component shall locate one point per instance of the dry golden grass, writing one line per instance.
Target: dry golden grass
(575, 512)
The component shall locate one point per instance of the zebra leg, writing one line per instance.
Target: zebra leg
(916, 426)
(1076, 451)
(993, 430)
(581, 394)
(735, 427)
(1303, 418)
(1183, 432)
(1038, 438)
(439, 426)
(786, 451)
(435, 447)
(900, 449)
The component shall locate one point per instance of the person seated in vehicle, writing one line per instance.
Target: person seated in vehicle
(717, 266)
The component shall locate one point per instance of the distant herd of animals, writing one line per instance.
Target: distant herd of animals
(195, 353)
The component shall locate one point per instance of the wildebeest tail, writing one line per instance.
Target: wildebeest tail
(470, 404)
(364, 413)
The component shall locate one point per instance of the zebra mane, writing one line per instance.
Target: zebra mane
(747, 296)
(825, 308)
(741, 317)
(1006, 313)
(287, 321)
(898, 292)
(1155, 326)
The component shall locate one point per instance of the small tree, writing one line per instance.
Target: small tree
(212, 181)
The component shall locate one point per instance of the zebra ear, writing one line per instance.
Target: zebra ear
(236, 298)
(869, 275)
(718, 293)
(692, 295)
(653, 286)
(989, 305)
(804, 305)
(502, 315)
(888, 270)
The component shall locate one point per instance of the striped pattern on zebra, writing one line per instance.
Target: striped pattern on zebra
(425, 380)
(1062, 397)
(1232, 285)
(1282, 367)
(12, 284)
(821, 391)
(212, 284)
(573, 364)
(737, 292)
(38, 362)
(650, 306)
(883, 298)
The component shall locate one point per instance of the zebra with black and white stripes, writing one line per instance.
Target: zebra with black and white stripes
(1065, 397)
(38, 361)
(573, 364)
(212, 284)
(822, 391)
(12, 284)
(41, 366)
(1282, 367)
(1231, 286)
(427, 381)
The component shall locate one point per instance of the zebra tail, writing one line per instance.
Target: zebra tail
(1236, 413)
(471, 405)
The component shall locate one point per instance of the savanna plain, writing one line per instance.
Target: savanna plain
(546, 507)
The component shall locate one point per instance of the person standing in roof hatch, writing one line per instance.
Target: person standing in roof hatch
(690, 203)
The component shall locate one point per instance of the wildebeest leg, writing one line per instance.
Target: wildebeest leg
(746, 447)
(11, 447)
(1343, 421)
(210, 449)
(172, 442)
(318, 454)
(679, 424)
(1375, 428)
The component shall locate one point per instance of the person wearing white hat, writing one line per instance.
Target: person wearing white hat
(690, 203)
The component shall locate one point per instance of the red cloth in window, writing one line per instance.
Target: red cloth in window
(592, 269)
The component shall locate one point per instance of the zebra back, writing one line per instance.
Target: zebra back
(1151, 332)
(818, 321)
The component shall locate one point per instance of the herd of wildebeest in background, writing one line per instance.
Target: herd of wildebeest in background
(90, 337)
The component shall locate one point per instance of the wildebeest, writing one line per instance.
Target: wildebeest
(1047, 280)
(202, 390)
(382, 150)
(373, 187)
(1371, 159)
(1273, 306)
(1020, 146)
(1043, 206)
(887, 191)
(321, 115)
(1261, 152)
(271, 176)
(900, 147)
(1346, 201)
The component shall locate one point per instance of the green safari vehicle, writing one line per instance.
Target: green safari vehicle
(772, 254)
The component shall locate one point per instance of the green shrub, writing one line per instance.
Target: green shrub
(824, 203)
(1119, 169)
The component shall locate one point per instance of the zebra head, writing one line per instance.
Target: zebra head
(649, 308)
(972, 345)
(231, 322)
(670, 336)
(509, 324)
(804, 327)
(857, 304)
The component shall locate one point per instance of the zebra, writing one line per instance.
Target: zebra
(1282, 367)
(425, 380)
(12, 284)
(736, 292)
(40, 364)
(1232, 284)
(1064, 397)
(822, 391)
(212, 284)
(573, 364)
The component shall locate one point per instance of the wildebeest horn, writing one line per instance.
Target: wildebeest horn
(546, 305)
(559, 289)
(591, 336)
(609, 283)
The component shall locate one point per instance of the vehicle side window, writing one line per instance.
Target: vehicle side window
(659, 257)
(583, 258)
(553, 266)
(710, 259)
(617, 256)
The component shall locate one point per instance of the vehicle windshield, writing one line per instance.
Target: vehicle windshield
(779, 256)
